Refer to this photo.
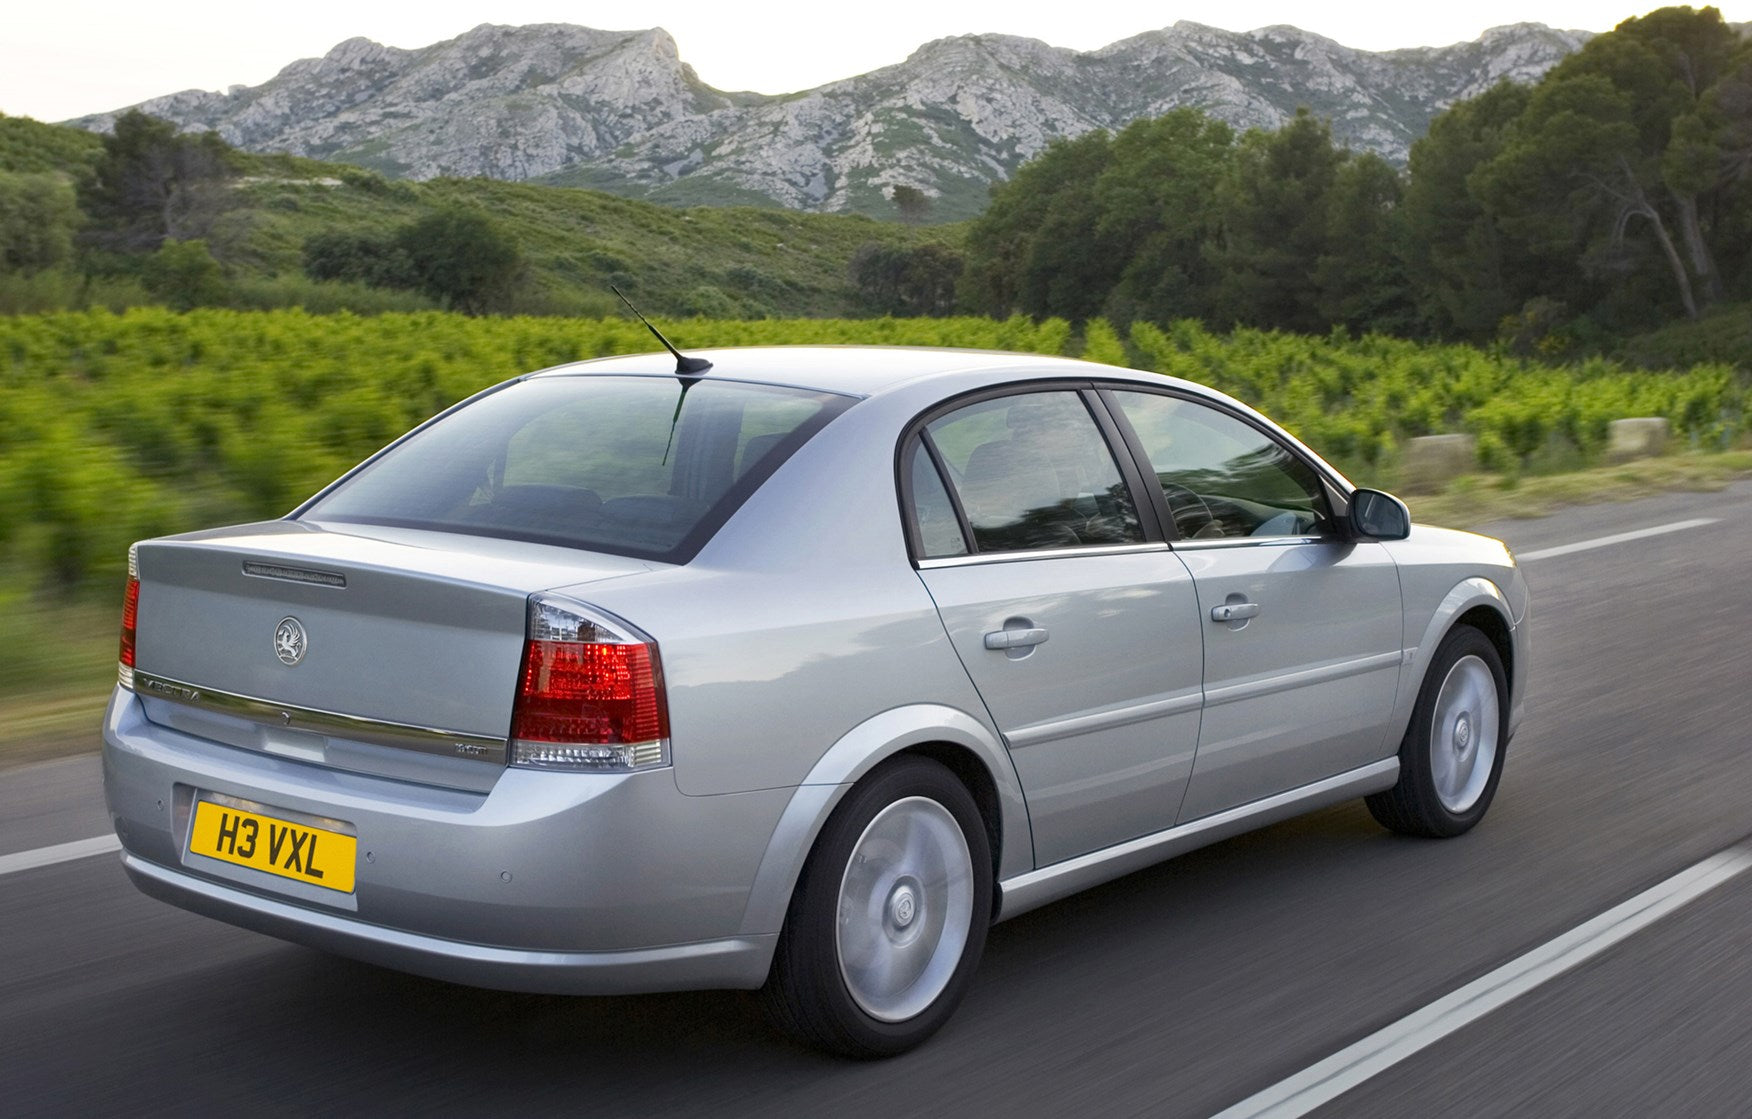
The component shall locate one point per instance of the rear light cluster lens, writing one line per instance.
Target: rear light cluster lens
(130, 617)
(590, 696)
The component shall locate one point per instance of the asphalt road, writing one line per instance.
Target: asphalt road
(1175, 992)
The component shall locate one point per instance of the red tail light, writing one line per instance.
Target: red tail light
(573, 692)
(130, 616)
(590, 694)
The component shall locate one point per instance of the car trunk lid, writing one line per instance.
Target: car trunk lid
(381, 650)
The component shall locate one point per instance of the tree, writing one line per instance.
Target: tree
(906, 281)
(38, 214)
(1630, 156)
(1464, 274)
(1360, 277)
(914, 204)
(462, 258)
(1274, 218)
(1158, 207)
(1070, 266)
(1036, 249)
(1173, 218)
(153, 184)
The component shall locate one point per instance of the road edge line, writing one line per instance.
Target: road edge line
(59, 853)
(1616, 538)
(1326, 1080)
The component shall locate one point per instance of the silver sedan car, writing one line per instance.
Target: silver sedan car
(789, 668)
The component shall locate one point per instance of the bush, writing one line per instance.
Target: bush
(462, 259)
(361, 258)
(1724, 335)
(45, 291)
(184, 275)
(117, 426)
(38, 214)
(457, 257)
(1101, 344)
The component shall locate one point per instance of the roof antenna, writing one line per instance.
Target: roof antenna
(688, 369)
(684, 366)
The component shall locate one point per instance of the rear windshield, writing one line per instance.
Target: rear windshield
(638, 466)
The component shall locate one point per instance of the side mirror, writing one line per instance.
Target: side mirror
(1380, 516)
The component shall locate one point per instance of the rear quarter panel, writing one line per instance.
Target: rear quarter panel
(802, 620)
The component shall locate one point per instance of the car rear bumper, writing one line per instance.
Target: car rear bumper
(729, 962)
(556, 882)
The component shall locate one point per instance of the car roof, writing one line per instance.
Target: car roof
(854, 370)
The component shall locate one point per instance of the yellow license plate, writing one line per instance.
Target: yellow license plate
(297, 851)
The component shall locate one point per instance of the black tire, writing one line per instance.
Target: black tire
(1446, 783)
(919, 890)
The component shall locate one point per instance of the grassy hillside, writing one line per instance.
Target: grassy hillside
(743, 262)
(32, 147)
(740, 262)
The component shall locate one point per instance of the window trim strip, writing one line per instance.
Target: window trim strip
(1083, 551)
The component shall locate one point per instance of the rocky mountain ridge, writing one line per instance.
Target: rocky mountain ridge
(621, 111)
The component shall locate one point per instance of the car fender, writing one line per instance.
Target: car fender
(1465, 595)
(858, 752)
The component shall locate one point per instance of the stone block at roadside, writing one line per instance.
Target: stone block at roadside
(1429, 462)
(1644, 437)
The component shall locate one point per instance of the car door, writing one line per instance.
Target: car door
(1080, 635)
(1303, 625)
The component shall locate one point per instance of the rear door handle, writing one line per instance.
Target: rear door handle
(1234, 611)
(1015, 638)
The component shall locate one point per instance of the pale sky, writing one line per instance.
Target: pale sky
(66, 58)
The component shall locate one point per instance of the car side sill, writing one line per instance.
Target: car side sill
(1050, 883)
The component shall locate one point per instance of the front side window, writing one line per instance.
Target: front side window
(1220, 476)
(1033, 471)
(641, 466)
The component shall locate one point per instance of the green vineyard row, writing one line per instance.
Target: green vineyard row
(115, 427)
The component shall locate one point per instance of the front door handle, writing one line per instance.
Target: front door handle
(1015, 638)
(1234, 611)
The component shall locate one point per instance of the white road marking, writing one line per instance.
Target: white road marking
(1323, 1082)
(60, 853)
(1620, 538)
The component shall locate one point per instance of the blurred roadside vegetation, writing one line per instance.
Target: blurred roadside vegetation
(115, 427)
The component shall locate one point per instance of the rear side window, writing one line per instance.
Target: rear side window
(1031, 471)
(938, 529)
(640, 466)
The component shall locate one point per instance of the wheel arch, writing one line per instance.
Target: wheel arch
(972, 773)
(1495, 626)
(1475, 602)
(953, 739)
